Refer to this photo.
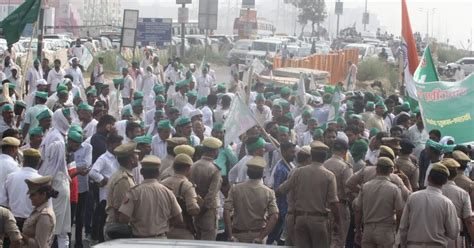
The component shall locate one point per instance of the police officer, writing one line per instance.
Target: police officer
(429, 218)
(9, 228)
(185, 193)
(171, 144)
(405, 164)
(461, 180)
(378, 201)
(369, 172)
(186, 149)
(119, 184)
(342, 170)
(251, 202)
(460, 198)
(207, 178)
(150, 207)
(38, 229)
(315, 192)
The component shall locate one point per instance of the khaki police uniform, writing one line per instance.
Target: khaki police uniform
(466, 184)
(119, 183)
(8, 227)
(368, 173)
(168, 163)
(343, 171)
(168, 160)
(429, 218)
(314, 188)
(459, 197)
(207, 178)
(150, 205)
(251, 202)
(179, 184)
(39, 227)
(378, 201)
(404, 164)
(290, 217)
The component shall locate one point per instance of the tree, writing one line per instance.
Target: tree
(313, 11)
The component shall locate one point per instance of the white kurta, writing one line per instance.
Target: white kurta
(158, 147)
(54, 78)
(204, 85)
(15, 186)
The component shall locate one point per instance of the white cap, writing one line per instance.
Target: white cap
(195, 112)
(41, 82)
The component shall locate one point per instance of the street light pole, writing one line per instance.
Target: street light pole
(183, 27)
(365, 25)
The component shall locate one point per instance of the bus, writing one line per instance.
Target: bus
(248, 26)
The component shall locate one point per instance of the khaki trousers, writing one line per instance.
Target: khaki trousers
(378, 236)
(206, 225)
(312, 231)
(246, 237)
(290, 229)
(338, 237)
(180, 233)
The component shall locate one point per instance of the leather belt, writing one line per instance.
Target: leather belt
(304, 213)
(234, 230)
(424, 243)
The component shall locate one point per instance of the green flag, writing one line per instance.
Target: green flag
(426, 72)
(14, 24)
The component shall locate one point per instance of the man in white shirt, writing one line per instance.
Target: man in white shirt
(208, 110)
(146, 61)
(128, 87)
(102, 170)
(89, 124)
(75, 71)
(418, 135)
(179, 98)
(172, 76)
(262, 112)
(190, 105)
(78, 49)
(14, 196)
(55, 76)
(8, 157)
(99, 71)
(204, 83)
(158, 143)
(35, 73)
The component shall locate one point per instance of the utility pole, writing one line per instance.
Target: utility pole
(365, 12)
(183, 30)
(338, 11)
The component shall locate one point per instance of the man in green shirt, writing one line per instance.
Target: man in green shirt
(226, 158)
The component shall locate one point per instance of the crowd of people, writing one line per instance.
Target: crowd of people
(144, 156)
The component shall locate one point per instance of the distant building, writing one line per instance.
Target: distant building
(81, 17)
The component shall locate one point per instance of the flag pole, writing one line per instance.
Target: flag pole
(25, 69)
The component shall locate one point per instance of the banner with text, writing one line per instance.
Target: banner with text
(448, 107)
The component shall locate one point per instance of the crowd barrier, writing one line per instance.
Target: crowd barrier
(335, 63)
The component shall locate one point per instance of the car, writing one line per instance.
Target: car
(366, 51)
(169, 243)
(261, 47)
(390, 57)
(239, 51)
(466, 63)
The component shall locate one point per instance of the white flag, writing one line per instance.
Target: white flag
(258, 67)
(239, 120)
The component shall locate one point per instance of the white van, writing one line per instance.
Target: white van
(365, 50)
(260, 48)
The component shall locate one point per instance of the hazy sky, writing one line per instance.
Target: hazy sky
(453, 19)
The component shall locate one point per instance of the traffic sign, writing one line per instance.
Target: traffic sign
(184, 1)
(208, 10)
(248, 4)
(154, 31)
(339, 8)
(183, 15)
(130, 18)
(365, 18)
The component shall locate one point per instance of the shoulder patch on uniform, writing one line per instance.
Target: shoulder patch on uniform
(125, 200)
(217, 167)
